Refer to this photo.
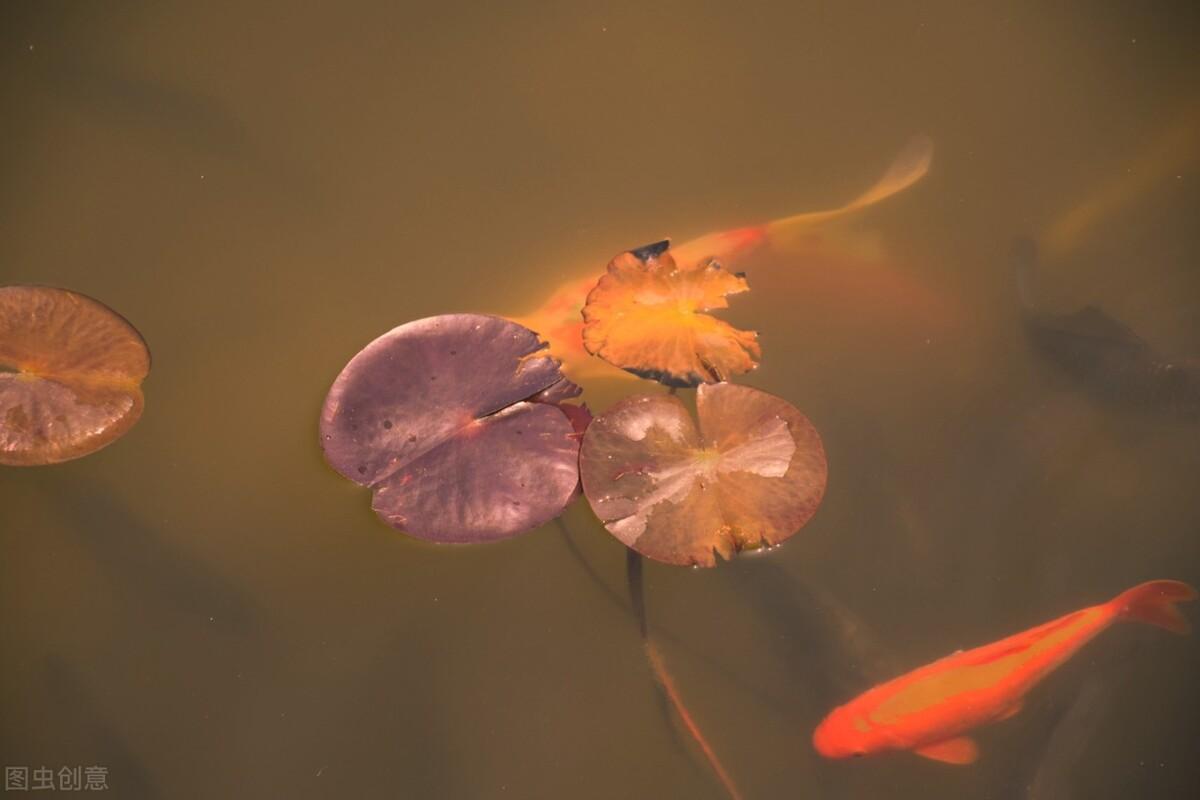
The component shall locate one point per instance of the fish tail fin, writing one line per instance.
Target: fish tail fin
(909, 166)
(784, 234)
(1154, 603)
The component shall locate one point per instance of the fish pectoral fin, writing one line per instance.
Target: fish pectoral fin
(1012, 710)
(959, 750)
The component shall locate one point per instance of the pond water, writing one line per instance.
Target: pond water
(207, 610)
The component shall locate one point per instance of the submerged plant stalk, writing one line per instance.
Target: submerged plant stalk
(668, 684)
(633, 566)
(770, 701)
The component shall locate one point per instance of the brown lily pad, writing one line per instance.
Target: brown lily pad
(751, 474)
(647, 315)
(70, 375)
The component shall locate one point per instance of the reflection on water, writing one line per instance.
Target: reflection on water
(210, 611)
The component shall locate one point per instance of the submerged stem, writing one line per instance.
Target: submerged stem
(637, 597)
(769, 700)
(668, 684)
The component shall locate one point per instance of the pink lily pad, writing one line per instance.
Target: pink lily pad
(454, 422)
(751, 474)
(71, 370)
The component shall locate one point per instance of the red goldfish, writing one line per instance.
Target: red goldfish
(928, 710)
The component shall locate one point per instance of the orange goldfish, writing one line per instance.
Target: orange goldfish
(559, 319)
(929, 710)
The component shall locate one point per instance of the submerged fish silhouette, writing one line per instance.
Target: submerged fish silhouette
(1103, 353)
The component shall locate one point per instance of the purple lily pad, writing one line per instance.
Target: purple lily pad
(454, 421)
(751, 474)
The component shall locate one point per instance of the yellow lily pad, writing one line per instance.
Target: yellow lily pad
(647, 315)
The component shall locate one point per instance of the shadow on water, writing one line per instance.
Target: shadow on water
(1068, 740)
(145, 568)
(630, 606)
(398, 692)
(73, 707)
(179, 120)
(829, 648)
(188, 117)
(671, 707)
(828, 652)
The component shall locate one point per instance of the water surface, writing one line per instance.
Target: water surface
(210, 611)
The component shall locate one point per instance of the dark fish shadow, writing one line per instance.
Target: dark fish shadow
(72, 705)
(144, 566)
(176, 117)
(635, 605)
(628, 605)
(1052, 776)
(1059, 725)
(383, 711)
(190, 118)
(830, 655)
(1103, 354)
(831, 651)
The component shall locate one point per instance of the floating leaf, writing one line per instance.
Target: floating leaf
(70, 375)
(454, 422)
(646, 316)
(752, 474)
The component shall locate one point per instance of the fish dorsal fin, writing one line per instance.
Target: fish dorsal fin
(1012, 710)
(959, 750)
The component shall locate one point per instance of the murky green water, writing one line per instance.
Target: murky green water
(209, 611)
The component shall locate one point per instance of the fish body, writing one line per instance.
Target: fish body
(928, 710)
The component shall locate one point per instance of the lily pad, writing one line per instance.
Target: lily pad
(456, 425)
(70, 375)
(750, 475)
(646, 315)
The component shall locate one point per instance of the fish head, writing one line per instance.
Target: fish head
(845, 733)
